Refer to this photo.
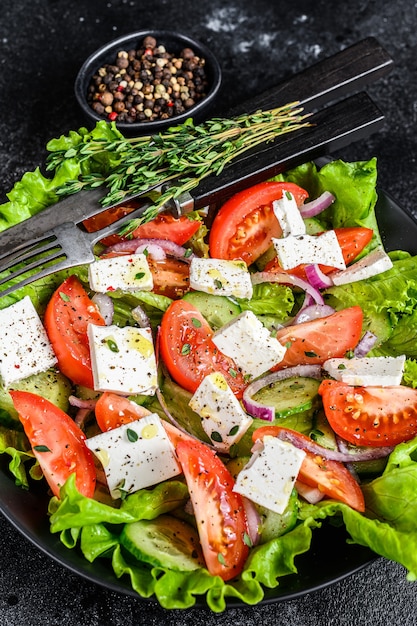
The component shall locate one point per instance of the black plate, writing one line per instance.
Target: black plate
(330, 558)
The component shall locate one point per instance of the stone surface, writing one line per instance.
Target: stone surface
(42, 45)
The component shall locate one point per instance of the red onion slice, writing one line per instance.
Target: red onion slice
(314, 207)
(365, 344)
(313, 312)
(256, 409)
(141, 317)
(287, 279)
(154, 250)
(361, 454)
(105, 305)
(253, 520)
(311, 494)
(169, 247)
(89, 404)
(316, 277)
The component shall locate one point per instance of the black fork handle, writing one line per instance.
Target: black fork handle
(333, 128)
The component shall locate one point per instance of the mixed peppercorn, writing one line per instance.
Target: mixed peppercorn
(148, 84)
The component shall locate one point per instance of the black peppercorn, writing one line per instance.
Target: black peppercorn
(148, 83)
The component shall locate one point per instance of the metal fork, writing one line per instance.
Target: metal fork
(68, 244)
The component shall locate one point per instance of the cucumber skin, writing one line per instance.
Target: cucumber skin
(167, 542)
(217, 310)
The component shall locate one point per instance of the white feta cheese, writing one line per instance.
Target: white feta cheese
(288, 215)
(128, 272)
(323, 249)
(246, 340)
(223, 418)
(123, 359)
(372, 264)
(221, 277)
(378, 371)
(25, 349)
(135, 455)
(269, 477)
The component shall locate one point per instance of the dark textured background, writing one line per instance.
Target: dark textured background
(43, 43)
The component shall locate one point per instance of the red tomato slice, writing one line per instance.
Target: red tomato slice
(318, 340)
(330, 477)
(57, 443)
(219, 511)
(244, 226)
(370, 416)
(112, 411)
(188, 351)
(67, 316)
(166, 226)
(351, 240)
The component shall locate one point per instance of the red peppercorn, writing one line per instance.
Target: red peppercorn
(112, 116)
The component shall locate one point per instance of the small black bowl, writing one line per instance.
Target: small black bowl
(174, 42)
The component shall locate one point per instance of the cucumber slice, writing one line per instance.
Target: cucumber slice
(166, 542)
(290, 396)
(313, 226)
(217, 310)
(322, 432)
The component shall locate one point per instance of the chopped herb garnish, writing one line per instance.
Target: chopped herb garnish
(218, 283)
(41, 448)
(215, 436)
(342, 366)
(187, 253)
(247, 540)
(220, 558)
(139, 275)
(112, 345)
(234, 430)
(132, 435)
(196, 322)
(65, 297)
(232, 372)
(310, 354)
(186, 349)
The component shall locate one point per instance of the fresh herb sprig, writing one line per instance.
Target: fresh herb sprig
(174, 162)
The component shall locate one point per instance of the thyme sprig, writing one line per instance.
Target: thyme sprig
(175, 161)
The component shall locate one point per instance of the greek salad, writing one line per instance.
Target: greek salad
(213, 388)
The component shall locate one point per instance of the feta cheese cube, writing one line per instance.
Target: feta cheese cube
(323, 249)
(128, 272)
(246, 340)
(123, 359)
(223, 418)
(221, 277)
(372, 264)
(288, 215)
(379, 371)
(135, 455)
(269, 477)
(25, 347)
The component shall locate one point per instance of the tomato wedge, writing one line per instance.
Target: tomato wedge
(189, 352)
(318, 340)
(67, 316)
(166, 226)
(219, 511)
(370, 416)
(57, 443)
(330, 477)
(244, 226)
(352, 241)
(112, 411)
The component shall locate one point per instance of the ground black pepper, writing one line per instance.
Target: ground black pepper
(148, 84)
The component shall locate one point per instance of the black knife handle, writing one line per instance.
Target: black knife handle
(333, 128)
(347, 71)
